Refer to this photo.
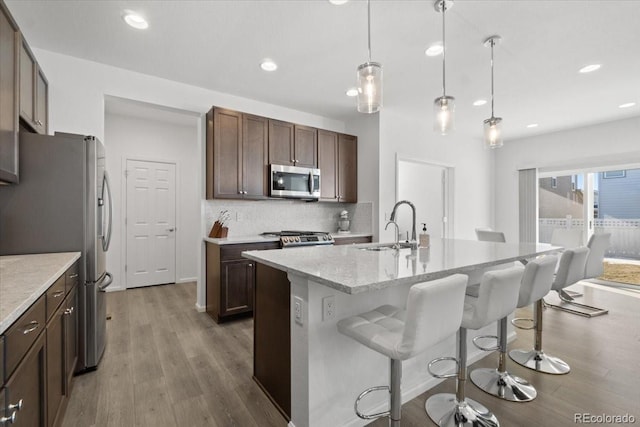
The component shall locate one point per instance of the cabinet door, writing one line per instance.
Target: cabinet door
(306, 146)
(70, 338)
(281, 143)
(27, 384)
(41, 102)
(237, 279)
(227, 154)
(255, 156)
(26, 84)
(328, 165)
(9, 69)
(347, 168)
(55, 365)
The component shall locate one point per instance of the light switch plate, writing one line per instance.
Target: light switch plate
(297, 310)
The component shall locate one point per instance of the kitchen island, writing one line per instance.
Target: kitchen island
(328, 370)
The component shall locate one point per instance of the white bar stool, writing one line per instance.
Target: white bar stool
(497, 297)
(433, 313)
(535, 284)
(570, 270)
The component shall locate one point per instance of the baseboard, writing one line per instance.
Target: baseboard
(187, 280)
(115, 289)
(200, 308)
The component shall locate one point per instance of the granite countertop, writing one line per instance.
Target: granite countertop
(235, 240)
(351, 269)
(24, 278)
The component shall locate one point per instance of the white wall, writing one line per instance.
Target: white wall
(137, 138)
(410, 134)
(613, 143)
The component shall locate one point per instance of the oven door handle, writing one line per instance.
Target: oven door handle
(311, 183)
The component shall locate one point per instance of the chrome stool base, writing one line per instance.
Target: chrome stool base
(503, 385)
(446, 411)
(538, 361)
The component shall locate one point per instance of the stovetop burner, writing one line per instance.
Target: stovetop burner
(292, 238)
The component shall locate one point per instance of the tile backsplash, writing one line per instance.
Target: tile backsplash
(249, 218)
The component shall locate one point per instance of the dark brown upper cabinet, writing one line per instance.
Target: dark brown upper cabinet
(338, 163)
(237, 155)
(293, 145)
(9, 80)
(34, 92)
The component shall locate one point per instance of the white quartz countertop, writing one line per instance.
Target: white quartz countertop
(24, 278)
(352, 270)
(235, 240)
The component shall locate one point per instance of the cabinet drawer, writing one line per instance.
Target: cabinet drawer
(233, 252)
(1, 369)
(23, 333)
(72, 276)
(55, 296)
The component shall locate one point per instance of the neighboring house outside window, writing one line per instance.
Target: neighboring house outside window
(619, 194)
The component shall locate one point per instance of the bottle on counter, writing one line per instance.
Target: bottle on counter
(424, 237)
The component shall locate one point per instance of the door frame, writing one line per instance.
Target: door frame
(447, 189)
(123, 212)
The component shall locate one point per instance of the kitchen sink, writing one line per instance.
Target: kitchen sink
(384, 246)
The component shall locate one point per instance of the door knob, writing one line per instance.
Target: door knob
(171, 230)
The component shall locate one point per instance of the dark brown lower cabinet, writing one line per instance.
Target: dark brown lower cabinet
(27, 384)
(231, 279)
(272, 336)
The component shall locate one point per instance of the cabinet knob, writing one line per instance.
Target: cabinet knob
(16, 406)
(11, 419)
(58, 294)
(69, 311)
(250, 265)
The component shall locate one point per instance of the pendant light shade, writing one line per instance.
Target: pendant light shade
(444, 107)
(369, 78)
(492, 125)
(369, 87)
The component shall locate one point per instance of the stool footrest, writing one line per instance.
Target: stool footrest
(523, 319)
(363, 394)
(479, 337)
(442, 359)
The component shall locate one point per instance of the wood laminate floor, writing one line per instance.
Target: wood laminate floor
(167, 365)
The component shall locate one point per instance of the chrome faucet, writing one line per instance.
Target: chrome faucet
(392, 218)
(396, 245)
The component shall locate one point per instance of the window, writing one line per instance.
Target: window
(614, 174)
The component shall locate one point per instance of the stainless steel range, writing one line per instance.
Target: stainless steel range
(291, 239)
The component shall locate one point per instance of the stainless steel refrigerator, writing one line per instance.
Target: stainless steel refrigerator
(62, 203)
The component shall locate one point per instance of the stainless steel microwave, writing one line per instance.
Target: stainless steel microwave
(294, 182)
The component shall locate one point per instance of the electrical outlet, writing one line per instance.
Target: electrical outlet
(297, 310)
(239, 216)
(328, 308)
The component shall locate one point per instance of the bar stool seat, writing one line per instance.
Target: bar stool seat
(433, 313)
(535, 284)
(497, 297)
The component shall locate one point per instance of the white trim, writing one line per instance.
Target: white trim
(187, 280)
(123, 213)
(629, 160)
(200, 308)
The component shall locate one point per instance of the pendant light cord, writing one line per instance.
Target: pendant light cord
(444, 50)
(369, 27)
(493, 42)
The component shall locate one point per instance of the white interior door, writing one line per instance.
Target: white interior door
(150, 223)
(425, 185)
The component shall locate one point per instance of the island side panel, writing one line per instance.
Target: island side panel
(272, 336)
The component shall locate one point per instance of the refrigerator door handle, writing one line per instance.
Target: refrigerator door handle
(105, 283)
(106, 238)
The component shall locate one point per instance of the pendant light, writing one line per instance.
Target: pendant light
(369, 77)
(492, 125)
(444, 107)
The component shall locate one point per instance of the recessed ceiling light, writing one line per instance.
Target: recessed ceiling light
(338, 2)
(352, 92)
(135, 20)
(268, 65)
(627, 105)
(434, 50)
(590, 68)
(532, 125)
(479, 102)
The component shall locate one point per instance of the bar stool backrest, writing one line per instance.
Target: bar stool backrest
(598, 244)
(490, 236)
(571, 268)
(497, 297)
(434, 313)
(537, 279)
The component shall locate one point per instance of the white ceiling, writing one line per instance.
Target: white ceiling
(219, 44)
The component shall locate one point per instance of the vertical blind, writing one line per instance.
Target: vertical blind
(528, 205)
